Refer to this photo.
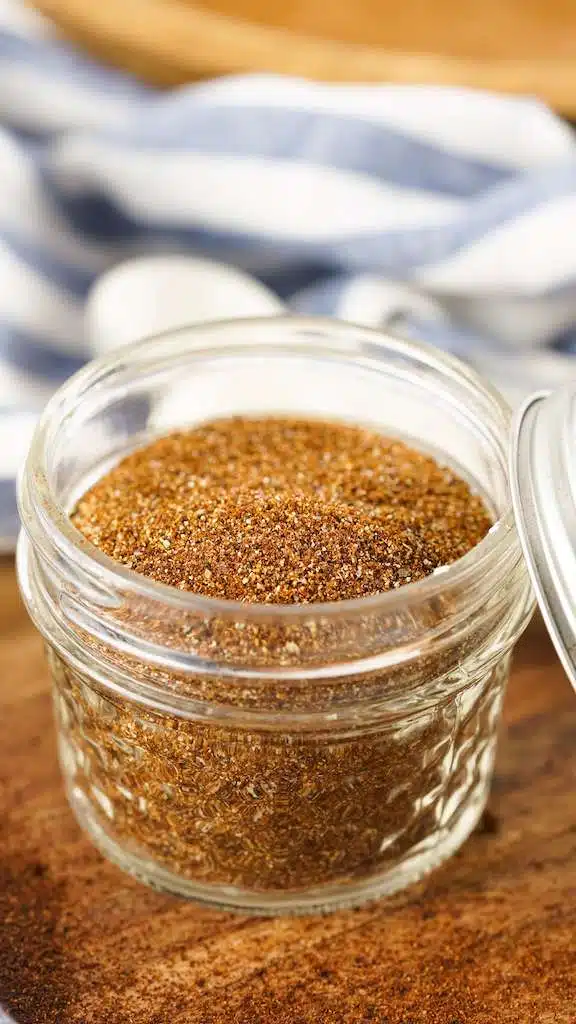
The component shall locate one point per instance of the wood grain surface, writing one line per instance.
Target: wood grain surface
(522, 46)
(488, 939)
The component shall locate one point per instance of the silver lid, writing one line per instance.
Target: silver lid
(543, 485)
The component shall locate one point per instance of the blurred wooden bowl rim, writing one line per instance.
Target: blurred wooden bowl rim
(168, 42)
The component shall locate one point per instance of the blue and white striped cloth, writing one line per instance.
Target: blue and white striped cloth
(447, 212)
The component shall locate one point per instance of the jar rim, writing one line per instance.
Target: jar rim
(37, 500)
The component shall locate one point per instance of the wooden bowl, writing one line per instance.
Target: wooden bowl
(520, 46)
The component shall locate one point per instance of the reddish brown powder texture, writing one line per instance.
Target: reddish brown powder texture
(282, 511)
(291, 512)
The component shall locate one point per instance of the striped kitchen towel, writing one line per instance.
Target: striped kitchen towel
(447, 213)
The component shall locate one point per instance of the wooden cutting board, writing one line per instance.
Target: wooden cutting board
(520, 46)
(488, 939)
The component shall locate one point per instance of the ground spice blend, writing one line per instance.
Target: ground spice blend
(281, 512)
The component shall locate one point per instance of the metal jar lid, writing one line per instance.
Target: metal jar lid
(543, 486)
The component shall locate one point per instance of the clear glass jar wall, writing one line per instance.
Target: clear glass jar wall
(266, 758)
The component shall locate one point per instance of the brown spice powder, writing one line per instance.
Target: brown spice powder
(282, 511)
(279, 511)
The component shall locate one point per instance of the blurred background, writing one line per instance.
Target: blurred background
(409, 166)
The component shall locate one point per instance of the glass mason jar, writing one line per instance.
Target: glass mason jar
(272, 758)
